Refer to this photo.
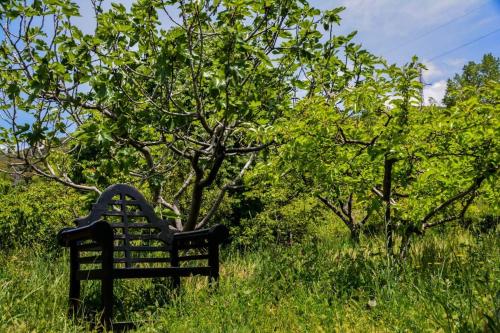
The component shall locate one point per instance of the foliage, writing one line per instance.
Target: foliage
(474, 76)
(372, 151)
(180, 111)
(32, 213)
(282, 221)
(184, 112)
(275, 208)
(449, 283)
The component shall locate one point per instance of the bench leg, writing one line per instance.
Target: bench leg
(107, 283)
(174, 262)
(74, 295)
(74, 283)
(176, 282)
(107, 301)
(213, 262)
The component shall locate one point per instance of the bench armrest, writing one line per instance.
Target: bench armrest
(218, 232)
(99, 231)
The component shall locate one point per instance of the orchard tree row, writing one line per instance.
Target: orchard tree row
(193, 101)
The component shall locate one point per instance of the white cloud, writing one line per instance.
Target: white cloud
(432, 71)
(455, 62)
(487, 20)
(435, 92)
(403, 18)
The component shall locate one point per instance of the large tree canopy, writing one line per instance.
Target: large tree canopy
(179, 97)
(175, 95)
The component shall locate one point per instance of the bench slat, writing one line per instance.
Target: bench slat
(126, 202)
(141, 248)
(90, 260)
(134, 225)
(138, 237)
(194, 257)
(94, 248)
(98, 260)
(192, 246)
(141, 260)
(132, 273)
(89, 247)
(122, 213)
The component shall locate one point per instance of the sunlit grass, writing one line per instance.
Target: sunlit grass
(449, 283)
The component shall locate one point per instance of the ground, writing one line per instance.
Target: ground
(450, 282)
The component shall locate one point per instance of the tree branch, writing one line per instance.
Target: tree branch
(335, 210)
(65, 180)
(475, 185)
(223, 191)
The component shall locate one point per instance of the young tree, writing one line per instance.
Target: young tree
(456, 161)
(345, 141)
(473, 76)
(150, 97)
(372, 149)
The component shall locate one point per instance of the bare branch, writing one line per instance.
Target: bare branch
(335, 210)
(381, 195)
(223, 191)
(175, 209)
(475, 185)
(183, 187)
(442, 221)
(64, 180)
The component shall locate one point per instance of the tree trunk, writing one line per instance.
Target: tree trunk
(387, 199)
(405, 243)
(194, 211)
(355, 233)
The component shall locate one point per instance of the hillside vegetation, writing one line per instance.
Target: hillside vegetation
(353, 204)
(449, 284)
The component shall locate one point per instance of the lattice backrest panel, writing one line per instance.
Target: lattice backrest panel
(139, 235)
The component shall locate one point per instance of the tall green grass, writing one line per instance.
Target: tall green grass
(450, 283)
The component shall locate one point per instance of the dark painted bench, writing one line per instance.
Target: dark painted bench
(122, 238)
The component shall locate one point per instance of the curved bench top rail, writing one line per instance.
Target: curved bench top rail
(116, 201)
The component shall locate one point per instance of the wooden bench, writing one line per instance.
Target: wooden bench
(122, 238)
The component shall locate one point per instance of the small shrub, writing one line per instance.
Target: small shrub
(281, 222)
(33, 212)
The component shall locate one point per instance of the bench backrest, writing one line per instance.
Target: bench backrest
(139, 235)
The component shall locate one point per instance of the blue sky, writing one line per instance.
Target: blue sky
(399, 29)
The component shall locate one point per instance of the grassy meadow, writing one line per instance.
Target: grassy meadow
(449, 283)
(269, 118)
